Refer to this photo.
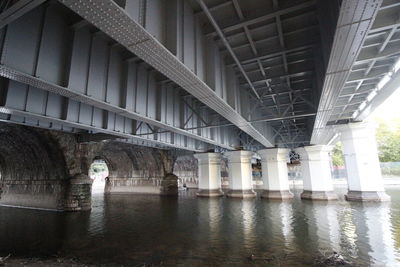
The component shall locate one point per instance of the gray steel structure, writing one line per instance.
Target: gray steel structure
(196, 74)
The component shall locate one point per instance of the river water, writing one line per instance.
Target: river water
(134, 230)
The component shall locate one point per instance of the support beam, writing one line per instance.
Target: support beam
(227, 45)
(18, 76)
(17, 10)
(351, 31)
(299, 116)
(140, 42)
(265, 17)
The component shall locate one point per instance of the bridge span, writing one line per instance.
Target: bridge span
(163, 91)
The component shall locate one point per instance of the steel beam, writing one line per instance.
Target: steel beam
(67, 92)
(24, 114)
(116, 23)
(227, 45)
(265, 17)
(351, 31)
(17, 10)
(259, 120)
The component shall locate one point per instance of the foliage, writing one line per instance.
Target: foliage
(388, 138)
(337, 155)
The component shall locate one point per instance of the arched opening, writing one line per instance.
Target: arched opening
(33, 169)
(98, 172)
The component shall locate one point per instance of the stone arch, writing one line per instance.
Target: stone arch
(137, 169)
(186, 168)
(42, 169)
(33, 168)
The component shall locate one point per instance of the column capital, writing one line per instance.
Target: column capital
(357, 130)
(239, 155)
(357, 125)
(314, 152)
(274, 154)
(208, 156)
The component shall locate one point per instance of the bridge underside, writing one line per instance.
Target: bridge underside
(195, 75)
(177, 76)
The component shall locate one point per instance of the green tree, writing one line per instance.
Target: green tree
(388, 138)
(337, 155)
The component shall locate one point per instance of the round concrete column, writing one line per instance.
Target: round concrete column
(240, 174)
(316, 173)
(364, 176)
(209, 174)
(275, 173)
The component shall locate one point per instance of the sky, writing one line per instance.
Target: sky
(389, 109)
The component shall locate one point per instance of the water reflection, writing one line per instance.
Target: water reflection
(134, 230)
(326, 226)
(375, 244)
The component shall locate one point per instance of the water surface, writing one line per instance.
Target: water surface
(136, 230)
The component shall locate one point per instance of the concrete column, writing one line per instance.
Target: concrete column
(316, 173)
(240, 174)
(275, 173)
(209, 174)
(364, 176)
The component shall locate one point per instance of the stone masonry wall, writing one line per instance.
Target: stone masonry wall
(48, 169)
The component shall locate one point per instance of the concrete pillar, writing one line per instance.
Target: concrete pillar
(316, 173)
(209, 174)
(275, 173)
(364, 176)
(240, 174)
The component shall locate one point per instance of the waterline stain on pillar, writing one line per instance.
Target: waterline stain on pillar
(275, 173)
(240, 174)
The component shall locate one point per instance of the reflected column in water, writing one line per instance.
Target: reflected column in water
(374, 233)
(325, 224)
(279, 216)
(209, 239)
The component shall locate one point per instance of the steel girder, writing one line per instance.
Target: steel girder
(82, 98)
(46, 122)
(37, 63)
(355, 21)
(13, 12)
(114, 21)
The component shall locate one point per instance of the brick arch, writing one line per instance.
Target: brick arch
(34, 172)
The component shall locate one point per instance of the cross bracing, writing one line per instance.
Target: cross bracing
(197, 74)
